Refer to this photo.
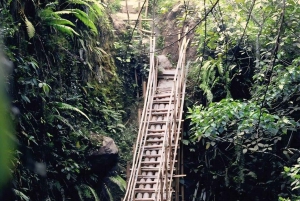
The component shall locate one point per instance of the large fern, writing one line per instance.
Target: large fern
(82, 16)
(49, 17)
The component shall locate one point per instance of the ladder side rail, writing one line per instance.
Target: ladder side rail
(171, 121)
(168, 135)
(183, 81)
(171, 137)
(177, 102)
(147, 119)
(142, 125)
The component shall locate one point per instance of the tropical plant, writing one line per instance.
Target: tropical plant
(65, 84)
(245, 141)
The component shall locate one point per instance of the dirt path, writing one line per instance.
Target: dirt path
(121, 17)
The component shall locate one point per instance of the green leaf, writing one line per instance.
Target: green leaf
(185, 142)
(65, 106)
(119, 181)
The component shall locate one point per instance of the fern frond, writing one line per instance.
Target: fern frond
(65, 12)
(65, 29)
(108, 193)
(65, 106)
(220, 67)
(64, 120)
(204, 69)
(21, 195)
(29, 26)
(92, 191)
(51, 18)
(119, 181)
(79, 193)
(97, 7)
(84, 18)
(207, 91)
(51, 4)
(59, 21)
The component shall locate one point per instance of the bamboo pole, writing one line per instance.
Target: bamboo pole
(127, 11)
(135, 164)
(140, 22)
(146, 9)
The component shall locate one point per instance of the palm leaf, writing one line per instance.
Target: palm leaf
(65, 106)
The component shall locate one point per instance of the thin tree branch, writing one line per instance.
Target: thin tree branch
(272, 63)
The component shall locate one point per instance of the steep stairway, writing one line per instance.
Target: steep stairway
(155, 153)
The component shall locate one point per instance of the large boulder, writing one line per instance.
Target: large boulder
(103, 155)
(104, 145)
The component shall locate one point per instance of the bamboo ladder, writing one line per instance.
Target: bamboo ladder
(155, 157)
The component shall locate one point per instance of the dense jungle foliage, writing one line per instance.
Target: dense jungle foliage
(243, 139)
(72, 83)
(67, 92)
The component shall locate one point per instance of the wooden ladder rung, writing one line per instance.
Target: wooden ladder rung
(152, 176)
(156, 130)
(144, 199)
(152, 156)
(147, 177)
(159, 110)
(146, 182)
(158, 113)
(163, 101)
(153, 141)
(155, 146)
(163, 95)
(157, 122)
(155, 134)
(145, 189)
(151, 162)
